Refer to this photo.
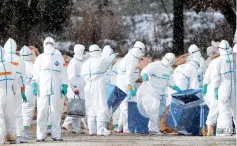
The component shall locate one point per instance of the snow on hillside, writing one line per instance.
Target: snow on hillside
(156, 30)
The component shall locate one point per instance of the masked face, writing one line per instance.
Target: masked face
(49, 42)
(49, 49)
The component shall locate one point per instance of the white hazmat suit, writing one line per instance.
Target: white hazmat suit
(150, 95)
(28, 107)
(50, 77)
(114, 73)
(209, 97)
(222, 76)
(208, 89)
(76, 83)
(186, 76)
(92, 71)
(127, 76)
(8, 87)
(195, 53)
(10, 56)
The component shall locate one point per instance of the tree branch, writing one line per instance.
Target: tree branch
(166, 12)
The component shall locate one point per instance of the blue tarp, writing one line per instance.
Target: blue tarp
(114, 96)
(136, 122)
(187, 112)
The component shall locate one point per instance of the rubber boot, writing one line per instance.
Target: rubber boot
(210, 131)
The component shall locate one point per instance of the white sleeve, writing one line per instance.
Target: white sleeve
(216, 76)
(130, 69)
(194, 84)
(171, 81)
(207, 76)
(36, 70)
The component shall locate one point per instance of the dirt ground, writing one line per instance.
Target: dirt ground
(71, 139)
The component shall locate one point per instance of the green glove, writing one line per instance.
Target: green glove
(64, 89)
(145, 77)
(131, 93)
(23, 95)
(204, 89)
(216, 93)
(34, 87)
(176, 88)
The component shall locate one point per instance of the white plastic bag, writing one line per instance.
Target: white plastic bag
(149, 102)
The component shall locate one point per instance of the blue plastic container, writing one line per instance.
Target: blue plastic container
(114, 96)
(136, 122)
(187, 111)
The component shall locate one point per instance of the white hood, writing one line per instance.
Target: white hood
(49, 42)
(137, 52)
(194, 51)
(107, 51)
(79, 51)
(168, 60)
(26, 54)
(10, 46)
(138, 49)
(95, 51)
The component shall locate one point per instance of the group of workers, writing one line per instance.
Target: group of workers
(47, 81)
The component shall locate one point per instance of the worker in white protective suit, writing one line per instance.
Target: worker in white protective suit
(49, 123)
(8, 87)
(116, 114)
(222, 76)
(208, 91)
(49, 84)
(195, 53)
(186, 75)
(93, 71)
(10, 56)
(76, 85)
(151, 102)
(28, 107)
(126, 80)
(107, 51)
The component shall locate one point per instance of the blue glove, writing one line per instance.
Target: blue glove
(64, 89)
(216, 93)
(176, 88)
(34, 87)
(145, 77)
(131, 93)
(23, 95)
(204, 89)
